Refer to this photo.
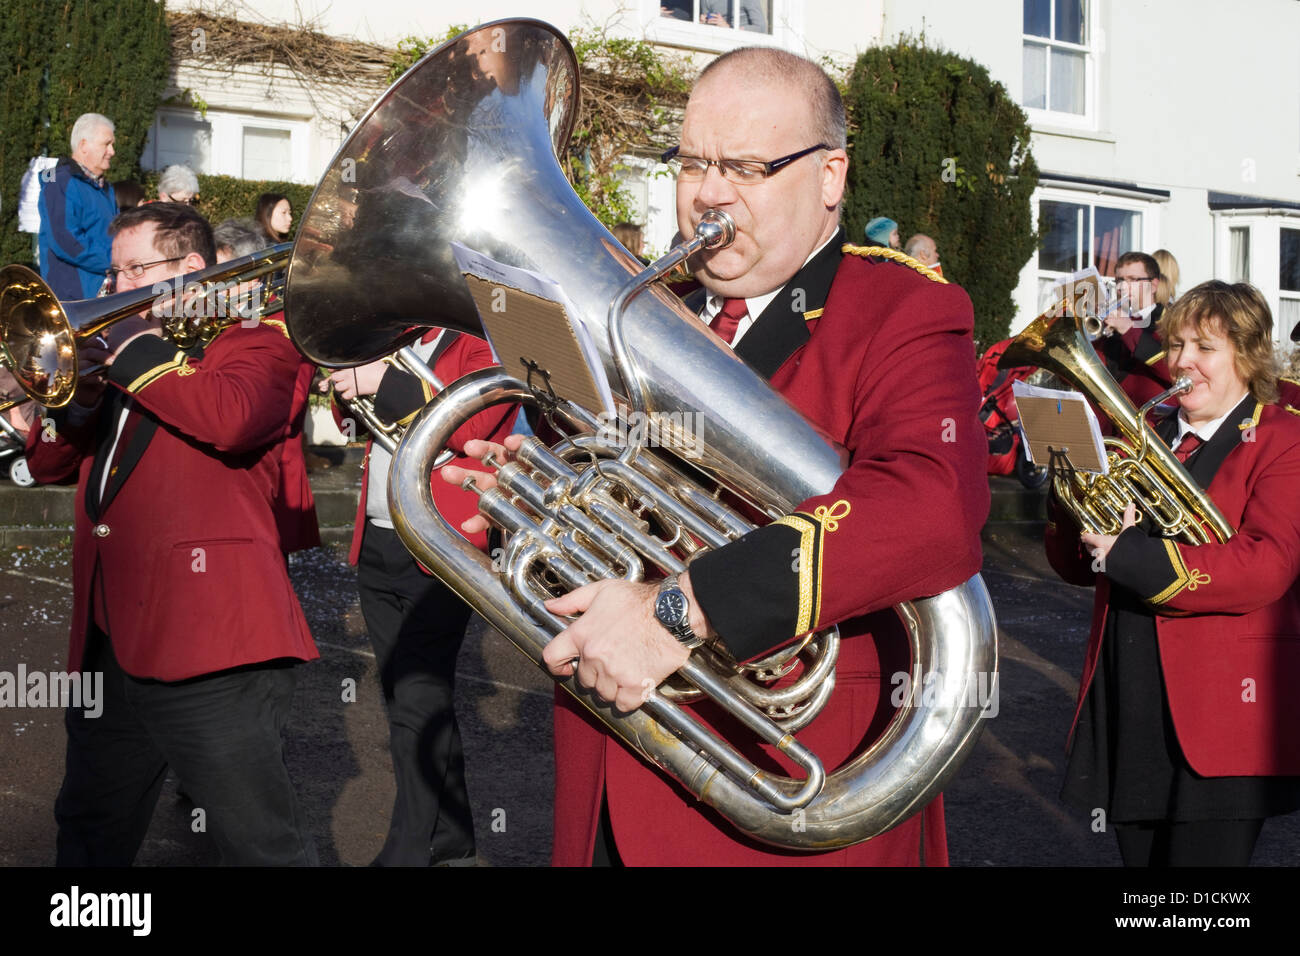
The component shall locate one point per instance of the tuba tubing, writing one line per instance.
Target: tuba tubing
(952, 643)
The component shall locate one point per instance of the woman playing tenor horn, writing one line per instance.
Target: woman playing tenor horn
(1184, 732)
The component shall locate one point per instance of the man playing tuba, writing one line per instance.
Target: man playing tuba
(880, 357)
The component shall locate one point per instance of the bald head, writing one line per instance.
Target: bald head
(923, 249)
(759, 66)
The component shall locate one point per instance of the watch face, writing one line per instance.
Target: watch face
(670, 609)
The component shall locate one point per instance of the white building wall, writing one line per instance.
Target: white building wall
(1184, 96)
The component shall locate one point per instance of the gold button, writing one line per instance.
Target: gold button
(101, 531)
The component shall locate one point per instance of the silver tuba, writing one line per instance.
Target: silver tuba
(464, 148)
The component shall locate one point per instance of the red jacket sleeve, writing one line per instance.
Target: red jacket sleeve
(236, 397)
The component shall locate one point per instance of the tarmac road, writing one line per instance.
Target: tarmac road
(1002, 809)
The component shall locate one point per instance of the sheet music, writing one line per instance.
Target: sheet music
(543, 337)
(1062, 421)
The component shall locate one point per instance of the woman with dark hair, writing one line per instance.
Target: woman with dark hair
(129, 194)
(275, 216)
(1184, 734)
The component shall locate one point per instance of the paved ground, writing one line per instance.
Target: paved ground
(1002, 809)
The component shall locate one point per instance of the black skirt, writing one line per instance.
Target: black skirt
(1125, 758)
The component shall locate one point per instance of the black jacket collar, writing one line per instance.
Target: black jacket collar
(1203, 464)
(783, 326)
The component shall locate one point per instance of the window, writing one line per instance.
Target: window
(1057, 57)
(178, 138)
(1288, 299)
(1075, 235)
(267, 154)
(751, 15)
(1239, 254)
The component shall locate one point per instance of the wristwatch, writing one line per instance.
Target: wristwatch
(672, 610)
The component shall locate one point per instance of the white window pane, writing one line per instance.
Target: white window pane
(1038, 18)
(267, 154)
(1288, 314)
(1035, 76)
(1067, 82)
(1070, 19)
(1239, 254)
(185, 141)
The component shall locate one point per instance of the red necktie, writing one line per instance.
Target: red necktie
(726, 322)
(1191, 441)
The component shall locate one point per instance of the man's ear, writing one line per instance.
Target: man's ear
(835, 171)
(193, 263)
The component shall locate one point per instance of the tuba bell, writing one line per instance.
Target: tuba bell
(1142, 469)
(464, 148)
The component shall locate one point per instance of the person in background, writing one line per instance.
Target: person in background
(924, 250)
(294, 504)
(76, 206)
(415, 622)
(129, 194)
(275, 216)
(883, 231)
(1133, 352)
(178, 184)
(1167, 287)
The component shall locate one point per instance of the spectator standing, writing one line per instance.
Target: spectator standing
(1167, 284)
(275, 215)
(883, 231)
(178, 184)
(925, 251)
(128, 193)
(76, 206)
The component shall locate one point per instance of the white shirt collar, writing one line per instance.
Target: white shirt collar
(1205, 432)
(754, 304)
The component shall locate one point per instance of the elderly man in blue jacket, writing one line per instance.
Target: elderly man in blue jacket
(77, 204)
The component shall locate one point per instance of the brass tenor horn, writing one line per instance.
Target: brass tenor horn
(464, 148)
(39, 335)
(1142, 469)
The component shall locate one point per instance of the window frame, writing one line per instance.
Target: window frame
(787, 20)
(1087, 120)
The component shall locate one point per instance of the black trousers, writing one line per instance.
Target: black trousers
(416, 627)
(221, 734)
(1194, 843)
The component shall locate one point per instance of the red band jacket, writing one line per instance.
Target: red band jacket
(400, 397)
(183, 548)
(1227, 615)
(881, 358)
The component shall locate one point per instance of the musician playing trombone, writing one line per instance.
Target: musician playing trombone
(876, 353)
(181, 596)
(1184, 735)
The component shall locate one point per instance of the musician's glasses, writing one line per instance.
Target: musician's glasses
(740, 172)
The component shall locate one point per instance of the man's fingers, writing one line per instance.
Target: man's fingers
(559, 653)
(575, 602)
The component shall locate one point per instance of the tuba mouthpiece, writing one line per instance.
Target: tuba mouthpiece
(716, 228)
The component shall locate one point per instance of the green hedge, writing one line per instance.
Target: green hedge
(61, 59)
(225, 197)
(942, 149)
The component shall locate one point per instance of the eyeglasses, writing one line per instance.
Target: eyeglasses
(136, 269)
(192, 201)
(741, 172)
(1133, 280)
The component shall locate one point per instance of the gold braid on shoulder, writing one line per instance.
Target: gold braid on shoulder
(884, 252)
